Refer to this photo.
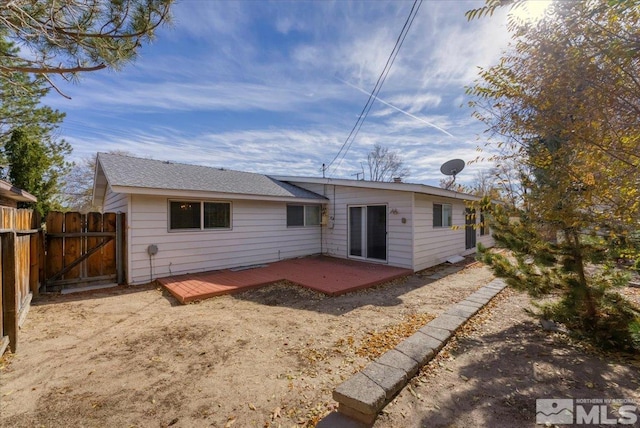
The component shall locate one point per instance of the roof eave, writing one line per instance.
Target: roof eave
(14, 193)
(203, 194)
(399, 187)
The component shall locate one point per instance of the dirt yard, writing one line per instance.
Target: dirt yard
(491, 374)
(270, 357)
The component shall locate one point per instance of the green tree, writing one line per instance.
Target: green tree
(67, 37)
(563, 105)
(20, 97)
(37, 164)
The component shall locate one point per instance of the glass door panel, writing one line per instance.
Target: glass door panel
(377, 232)
(356, 248)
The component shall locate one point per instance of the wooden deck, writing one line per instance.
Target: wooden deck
(328, 275)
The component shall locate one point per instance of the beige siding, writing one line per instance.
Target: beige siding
(115, 202)
(486, 240)
(399, 234)
(259, 234)
(434, 245)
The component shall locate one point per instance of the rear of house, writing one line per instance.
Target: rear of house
(406, 225)
(188, 218)
(198, 218)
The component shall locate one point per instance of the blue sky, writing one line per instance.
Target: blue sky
(275, 87)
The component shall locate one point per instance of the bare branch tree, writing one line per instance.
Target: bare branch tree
(450, 184)
(78, 190)
(385, 165)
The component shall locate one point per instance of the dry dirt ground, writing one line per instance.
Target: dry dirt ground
(133, 357)
(492, 372)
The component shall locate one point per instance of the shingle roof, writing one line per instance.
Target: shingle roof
(127, 171)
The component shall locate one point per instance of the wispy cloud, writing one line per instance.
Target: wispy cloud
(252, 86)
(419, 119)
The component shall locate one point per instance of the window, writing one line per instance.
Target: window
(312, 215)
(295, 215)
(217, 215)
(484, 228)
(185, 215)
(442, 215)
(303, 215)
(199, 215)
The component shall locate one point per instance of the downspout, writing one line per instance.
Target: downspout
(321, 237)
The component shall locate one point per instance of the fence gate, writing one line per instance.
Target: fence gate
(84, 249)
(20, 242)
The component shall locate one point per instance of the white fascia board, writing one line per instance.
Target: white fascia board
(198, 194)
(100, 185)
(398, 187)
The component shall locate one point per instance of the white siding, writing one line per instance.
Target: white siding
(259, 234)
(434, 245)
(115, 202)
(334, 234)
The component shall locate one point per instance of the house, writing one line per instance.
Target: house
(189, 218)
(10, 195)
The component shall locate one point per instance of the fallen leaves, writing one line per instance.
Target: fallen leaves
(275, 413)
(377, 343)
(413, 392)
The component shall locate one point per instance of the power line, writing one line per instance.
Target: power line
(378, 86)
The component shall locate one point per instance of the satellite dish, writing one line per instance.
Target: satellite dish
(452, 167)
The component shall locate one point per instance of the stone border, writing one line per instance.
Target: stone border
(365, 394)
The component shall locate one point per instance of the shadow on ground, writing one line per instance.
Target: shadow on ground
(518, 365)
(291, 295)
(56, 297)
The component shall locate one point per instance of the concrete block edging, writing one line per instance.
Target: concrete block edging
(365, 394)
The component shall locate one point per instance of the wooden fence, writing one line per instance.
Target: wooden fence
(76, 250)
(84, 249)
(21, 252)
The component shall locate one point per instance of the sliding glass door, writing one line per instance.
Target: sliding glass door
(368, 232)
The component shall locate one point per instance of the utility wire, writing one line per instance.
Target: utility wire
(378, 86)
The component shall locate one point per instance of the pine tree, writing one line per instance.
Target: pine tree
(563, 106)
(37, 165)
(20, 97)
(68, 37)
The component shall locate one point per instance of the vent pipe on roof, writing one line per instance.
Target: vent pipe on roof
(397, 179)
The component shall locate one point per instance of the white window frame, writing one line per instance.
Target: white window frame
(201, 202)
(444, 218)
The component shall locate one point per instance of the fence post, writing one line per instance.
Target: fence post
(34, 260)
(41, 257)
(9, 292)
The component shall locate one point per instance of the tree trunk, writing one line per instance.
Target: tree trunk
(573, 238)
